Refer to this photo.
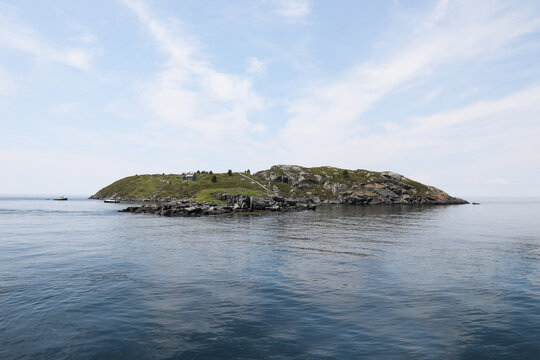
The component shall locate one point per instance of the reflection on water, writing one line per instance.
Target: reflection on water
(78, 279)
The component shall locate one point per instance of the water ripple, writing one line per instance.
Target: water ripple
(79, 280)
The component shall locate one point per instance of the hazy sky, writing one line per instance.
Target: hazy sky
(446, 92)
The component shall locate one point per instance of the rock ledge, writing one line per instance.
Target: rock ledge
(233, 204)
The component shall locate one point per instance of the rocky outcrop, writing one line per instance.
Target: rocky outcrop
(355, 187)
(234, 204)
(388, 197)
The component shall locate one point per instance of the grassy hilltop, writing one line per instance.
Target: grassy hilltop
(321, 184)
(172, 187)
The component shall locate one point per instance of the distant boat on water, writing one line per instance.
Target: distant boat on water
(111, 201)
(61, 198)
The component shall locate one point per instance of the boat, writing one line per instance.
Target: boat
(61, 198)
(111, 201)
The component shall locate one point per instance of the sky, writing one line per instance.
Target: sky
(444, 92)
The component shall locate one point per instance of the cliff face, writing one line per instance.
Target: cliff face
(312, 185)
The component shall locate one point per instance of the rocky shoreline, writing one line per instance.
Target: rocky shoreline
(232, 204)
(249, 204)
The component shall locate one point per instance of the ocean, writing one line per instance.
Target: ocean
(78, 280)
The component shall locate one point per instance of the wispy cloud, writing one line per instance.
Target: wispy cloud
(15, 35)
(292, 10)
(330, 112)
(255, 66)
(432, 95)
(509, 121)
(188, 92)
(7, 83)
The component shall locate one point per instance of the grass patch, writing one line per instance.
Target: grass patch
(206, 195)
(173, 187)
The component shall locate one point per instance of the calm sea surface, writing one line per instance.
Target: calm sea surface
(80, 280)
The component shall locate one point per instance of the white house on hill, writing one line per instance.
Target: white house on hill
(189, 176)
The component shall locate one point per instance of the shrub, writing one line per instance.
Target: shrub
(345, 174)
(214, 179)
(229, 172)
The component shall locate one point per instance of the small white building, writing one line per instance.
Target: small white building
(189, 176)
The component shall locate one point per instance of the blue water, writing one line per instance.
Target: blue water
(80, 280)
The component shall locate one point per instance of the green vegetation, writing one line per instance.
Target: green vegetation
(420, 188)
(294, 181)
(172, 187)
(206, 195)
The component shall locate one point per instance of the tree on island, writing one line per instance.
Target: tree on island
(229, 172)
(214, 179)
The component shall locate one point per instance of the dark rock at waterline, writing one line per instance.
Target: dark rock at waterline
(234, 204)
(388, 196)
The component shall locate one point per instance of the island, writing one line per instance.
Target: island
(281, 188)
